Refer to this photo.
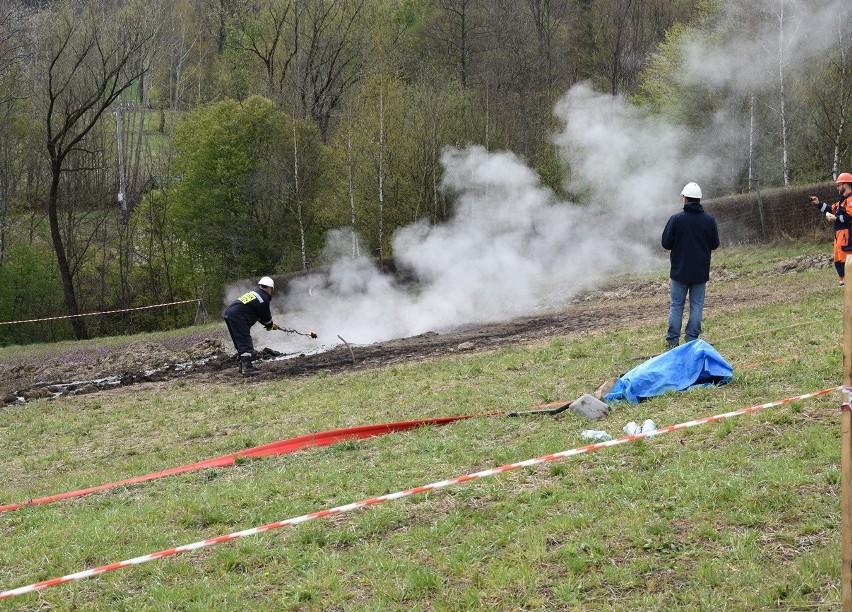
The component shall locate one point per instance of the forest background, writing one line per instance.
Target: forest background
(155, 151)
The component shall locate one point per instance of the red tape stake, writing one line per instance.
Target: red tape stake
(281, 447)
(391, 496)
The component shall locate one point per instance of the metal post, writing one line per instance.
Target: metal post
(122, 188)
(846, 452)
(756, 181)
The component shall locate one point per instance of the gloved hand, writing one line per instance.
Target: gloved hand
(276, 327)
(815, 200)
(312, 334)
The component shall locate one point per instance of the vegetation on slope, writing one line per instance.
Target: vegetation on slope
(740, 514)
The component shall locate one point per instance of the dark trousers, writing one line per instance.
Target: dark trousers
(240, 335)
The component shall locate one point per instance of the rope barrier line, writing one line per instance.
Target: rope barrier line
(393, 496)
(281, 447)
(103, 312)
(783, 359)
(767, 331)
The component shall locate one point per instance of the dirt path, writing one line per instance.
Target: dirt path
(205, 357)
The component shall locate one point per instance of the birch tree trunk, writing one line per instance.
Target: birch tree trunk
(751, 132)
(298, 195)
(844, 105)
(351, 185)
(782, 111)
(381, 169)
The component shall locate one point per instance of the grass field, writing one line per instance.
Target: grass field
(738, 515)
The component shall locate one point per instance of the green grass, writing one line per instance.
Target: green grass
(738, 515)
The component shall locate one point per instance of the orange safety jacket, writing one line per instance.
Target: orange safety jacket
(842, 211)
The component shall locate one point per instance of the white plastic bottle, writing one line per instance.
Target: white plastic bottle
(631, 429)
(595, 434)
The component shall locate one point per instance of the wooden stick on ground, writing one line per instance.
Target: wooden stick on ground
(351, 354)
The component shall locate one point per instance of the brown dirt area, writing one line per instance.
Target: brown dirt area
(205, 355)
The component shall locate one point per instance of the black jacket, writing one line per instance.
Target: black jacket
(250, 308)
(690, 236)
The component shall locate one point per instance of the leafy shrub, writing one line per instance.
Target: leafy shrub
(30, 288)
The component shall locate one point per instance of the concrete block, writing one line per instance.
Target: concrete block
(590, 407)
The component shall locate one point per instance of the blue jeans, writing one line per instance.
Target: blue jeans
(696, 293)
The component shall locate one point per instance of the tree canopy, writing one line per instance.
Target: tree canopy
(238, 132)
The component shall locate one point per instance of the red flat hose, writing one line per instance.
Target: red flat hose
(281, 447)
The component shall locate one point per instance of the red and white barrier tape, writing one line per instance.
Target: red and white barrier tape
(392, 496)
(92, 314)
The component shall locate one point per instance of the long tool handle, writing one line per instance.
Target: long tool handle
(554, 408)
(293, 331)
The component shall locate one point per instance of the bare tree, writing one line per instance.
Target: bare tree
(297, 194)
(752, 130)
(786, 30)
(782, 107)
(627, 31)
(350, 183)
(13, 39)
(513, 95)
(548, 17)
(381, 168)
(841, 65)
(310, 49)
(219, 14)
(183, 54)
(459, 31)
(13, 36)
(615, 17)
(269, 32)
(845, 104)
(87, 57)
(831, 92)
(181, 43)
(330, 57)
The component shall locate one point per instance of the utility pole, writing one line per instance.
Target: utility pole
(759, 206)
(122, 186)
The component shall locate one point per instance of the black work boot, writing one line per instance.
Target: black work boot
(246, 366)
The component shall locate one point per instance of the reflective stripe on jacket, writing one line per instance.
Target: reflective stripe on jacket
(250, 308)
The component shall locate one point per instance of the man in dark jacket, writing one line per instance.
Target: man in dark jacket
(690, 236)
(244, 312)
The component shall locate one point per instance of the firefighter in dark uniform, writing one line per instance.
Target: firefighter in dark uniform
(244, 312)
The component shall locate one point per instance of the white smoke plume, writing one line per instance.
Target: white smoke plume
(511, 248)
(755, 41)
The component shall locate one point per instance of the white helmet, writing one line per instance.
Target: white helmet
(691, 190)
(266, 282)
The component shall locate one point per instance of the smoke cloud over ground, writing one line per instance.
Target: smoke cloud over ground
(511, 247)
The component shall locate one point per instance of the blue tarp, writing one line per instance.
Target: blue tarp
(688, 365)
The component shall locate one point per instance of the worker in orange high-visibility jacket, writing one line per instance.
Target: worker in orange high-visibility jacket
(840, 212)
